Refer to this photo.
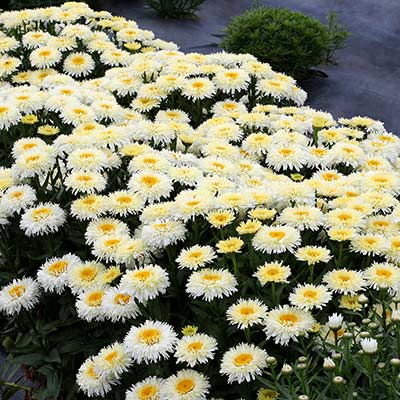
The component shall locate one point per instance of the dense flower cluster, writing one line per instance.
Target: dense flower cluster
(193, 202)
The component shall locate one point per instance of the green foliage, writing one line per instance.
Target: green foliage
(175, 8)
(289, 41)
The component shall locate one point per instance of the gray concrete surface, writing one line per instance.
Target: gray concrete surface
(366, 80)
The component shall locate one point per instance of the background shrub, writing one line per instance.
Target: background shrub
(175, 8)
(290, 41)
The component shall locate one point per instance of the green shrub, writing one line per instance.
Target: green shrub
(290, 41)
(175, 8)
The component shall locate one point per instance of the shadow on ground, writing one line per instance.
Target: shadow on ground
(366, 80)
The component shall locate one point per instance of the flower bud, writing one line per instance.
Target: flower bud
(365, 321)
(336, 356)
(302, 366)
(395, 362)
(396, 300)
(369, 346)
(303, 397)
(302, 359)
(355, 394)
(335, 321)
(363, 299)
(364, 334)
(381, 365)
(271, 360)
(329, 363)
(339, 380)
(286, 369)
(373, 325)
(395, 317)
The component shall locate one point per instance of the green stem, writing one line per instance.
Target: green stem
(14, 385)
(235, 266)
(273, 290)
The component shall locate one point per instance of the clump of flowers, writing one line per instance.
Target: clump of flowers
(180, 226)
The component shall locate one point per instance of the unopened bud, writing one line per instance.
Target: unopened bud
(303, 397)
(381, 365)
(339, 380)
(329, 363)
(302, 366)
(286, 369)
(271, 360)
(336, 356)
(395, 317)
(364, 334)
(365, 321)
(302, 359)
(363, 299)
(395, 362)
(373, 325)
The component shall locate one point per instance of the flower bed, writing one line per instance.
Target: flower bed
(180, 226)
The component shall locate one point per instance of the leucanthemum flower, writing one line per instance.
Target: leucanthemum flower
(17, 198)
(246, 313)
(313, 254)
(85, 182)
(195, 349)
(285, 323)
(89, 207)
(195, 257)
(211, 283)
(302, 217)
(85, 275)
(385, 275)
(231, 80)
(310, 296)
(243, 363)
(91, 382)
(124, 203)
(276, 239)
(42, 219)
(104, 227)
(148, 389)
(112, 360)
(230, 245)
(150, 342)
(20, 294)
(152, 186)
(52, 275)
(345, 281)
(272, 272)
(45, 57)
(198, 88)
(78, 64)
(158, 235)
(369, 244)
(119, 304)
(220, 218)
(146, 282)
(89, 305)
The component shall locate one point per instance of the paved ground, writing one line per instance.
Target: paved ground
(366, 80)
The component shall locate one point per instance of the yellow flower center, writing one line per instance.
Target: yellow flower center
(247, 310)
(107, 228)
(149, 180)
(110, 357)
(88, 274)
(142, 275)
(57, 268)
(211, 277)
(122, 298)
(384, 273)
(147, 392)
(150, 336)
(184, 386)
(17, 291)
(288, 318)
(195, 346)
(243, 359)
(278, 235)
(94, 299)
(41, 213)
(310, 294)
